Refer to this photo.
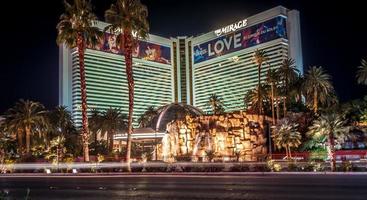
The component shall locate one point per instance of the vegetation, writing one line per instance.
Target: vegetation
(259, 58)
(76, 29)
(147, 116)
(30, 132)
(286, 135)
(128, 18)
(317, 87)
(330, 127)
(216, 104)
(362, 73)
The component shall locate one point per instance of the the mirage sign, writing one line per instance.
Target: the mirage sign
(257, 34)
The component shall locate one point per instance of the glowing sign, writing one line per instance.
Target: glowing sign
(248, 37)
(144, 50)
(231, 28)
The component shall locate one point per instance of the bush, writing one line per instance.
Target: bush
(156, 169)
(293, 167)
(272, 166)
(346, 166)
(318, 155)
(240, 168)
(314, 167)
(183, 158)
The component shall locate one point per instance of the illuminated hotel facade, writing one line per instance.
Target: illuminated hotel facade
(183, 69)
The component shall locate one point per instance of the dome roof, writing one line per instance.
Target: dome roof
(171, 112)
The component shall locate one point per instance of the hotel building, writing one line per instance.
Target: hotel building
(184, 69)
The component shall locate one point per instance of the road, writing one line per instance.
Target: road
(259, 187)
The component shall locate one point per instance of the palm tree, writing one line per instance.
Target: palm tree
(330, 126)
(317, 86)
(272, 79)
(126, 17)
(252, 100)
(259, 58)
(76, 29)
(26, 117)
(362, 72)
(286, 136)
(216, 104)
(288, 73)
(113, 121)
(147, 116)
(61, 121)
(95, 123)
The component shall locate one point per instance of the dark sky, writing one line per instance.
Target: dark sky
(333, 36)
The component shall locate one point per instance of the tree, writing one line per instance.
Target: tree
(317, 86)
(332, 127)
(146, 118)
(95, 123)
(285, 135)
(113, 121)
(77, 29)
(259, 58)
(272, 80)
(25, 117)
(216, 104)
(253, 102)
(127, 17)
(362, 73)
(288, 73)
(61, 121)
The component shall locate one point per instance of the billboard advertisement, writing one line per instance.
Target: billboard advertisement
(144, 50)
(248, 37)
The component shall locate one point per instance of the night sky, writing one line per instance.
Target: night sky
(333, 36)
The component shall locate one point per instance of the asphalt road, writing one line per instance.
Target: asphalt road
(283, 187)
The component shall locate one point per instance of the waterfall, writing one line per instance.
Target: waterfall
(166, 150)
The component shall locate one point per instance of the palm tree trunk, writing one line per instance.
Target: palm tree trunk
(286, 153)
(284, 107)
(259, 92)
(277, 107)
(315, 101)
(20, 141)
(332, 152)
(272, 103)
(128, 47)
(289, 151)
(285, 97)
(111, 141)
(83, 87)
(28, 139)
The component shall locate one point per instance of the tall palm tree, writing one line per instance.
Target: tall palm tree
(147, 116)
(259, 58)
(272, 79)
(362, 72)
(331, 126)
(77, 29)
(288, 73)
(317, 86)
(126, 17)
(113, 121)
(285, 135)
(216, 104)
(26, 117)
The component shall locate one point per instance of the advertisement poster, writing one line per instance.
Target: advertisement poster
(248, 37)
(145, 50)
